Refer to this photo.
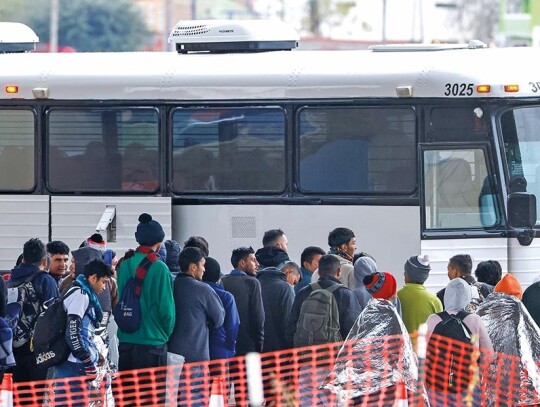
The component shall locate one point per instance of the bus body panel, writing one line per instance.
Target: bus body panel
(389, 233)
(480, 249)
(73, 217)
(23, 217)
(272, 75)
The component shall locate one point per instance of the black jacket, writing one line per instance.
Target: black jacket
(348, 306)
(278, 298)
(247, 294)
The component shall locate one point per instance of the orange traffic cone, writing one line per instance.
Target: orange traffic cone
(216, 394)
(6, 390)
(401, 395)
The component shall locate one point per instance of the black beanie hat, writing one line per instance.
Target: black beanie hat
(212, 270)
(149, 232)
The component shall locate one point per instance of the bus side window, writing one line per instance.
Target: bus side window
(455, 192)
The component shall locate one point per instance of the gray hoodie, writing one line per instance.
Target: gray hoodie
(363, 267)
(457, 295)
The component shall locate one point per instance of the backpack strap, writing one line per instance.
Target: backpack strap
(331, 289)
(445, 316)
(143, 267)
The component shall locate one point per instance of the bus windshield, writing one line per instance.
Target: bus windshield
(521, 134)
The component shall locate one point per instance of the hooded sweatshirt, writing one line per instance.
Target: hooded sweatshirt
(456, 298)
(509, 285)
(363, 267)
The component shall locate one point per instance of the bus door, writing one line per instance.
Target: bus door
(519, 126)
(461, 193)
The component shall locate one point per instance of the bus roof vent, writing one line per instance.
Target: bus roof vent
(472, 44)
(17, 37)
(233, 36)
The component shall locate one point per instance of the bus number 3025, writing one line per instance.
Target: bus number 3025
(458, 89)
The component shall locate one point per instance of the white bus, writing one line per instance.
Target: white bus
(431, 149)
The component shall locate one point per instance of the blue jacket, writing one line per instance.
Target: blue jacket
(306, 280)
(223, 339)
(198, 308)
(45, 286)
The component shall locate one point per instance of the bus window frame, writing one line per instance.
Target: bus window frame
(226, 194)
(370, 194)
(497, 230)
(36, 146)
(87, 106)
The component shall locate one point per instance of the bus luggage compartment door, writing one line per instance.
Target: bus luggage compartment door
(73, 219)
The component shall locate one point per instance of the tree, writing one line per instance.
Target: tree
(477, 19)
(86, 25)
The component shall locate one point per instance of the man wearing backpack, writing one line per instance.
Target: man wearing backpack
(147, 346)
(84, 315)
(346, 302)
(447, 364)
(29, 288)
(460, 266)
(334, 308)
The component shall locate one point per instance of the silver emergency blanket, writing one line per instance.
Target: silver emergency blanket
(512, 332)
(377, 354)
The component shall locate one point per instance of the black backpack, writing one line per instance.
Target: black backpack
(448, 363)
(49, 342)
(23, 308)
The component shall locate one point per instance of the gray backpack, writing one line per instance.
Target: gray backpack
(319, 317)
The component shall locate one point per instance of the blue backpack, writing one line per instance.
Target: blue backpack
(127, 313)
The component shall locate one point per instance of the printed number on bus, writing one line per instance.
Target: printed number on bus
(535, 87)
(458, 89)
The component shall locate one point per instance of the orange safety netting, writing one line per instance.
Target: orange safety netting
(370, 372)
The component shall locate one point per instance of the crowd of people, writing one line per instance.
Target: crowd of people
(263, 303)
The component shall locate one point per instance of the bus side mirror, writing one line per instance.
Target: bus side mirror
(522, 215)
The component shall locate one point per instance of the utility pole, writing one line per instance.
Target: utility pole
(384, 21)
(193, 9)
(167, 30)
(55, 9)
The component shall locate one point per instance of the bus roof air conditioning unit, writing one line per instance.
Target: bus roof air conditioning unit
(17, 37)
(220, 36)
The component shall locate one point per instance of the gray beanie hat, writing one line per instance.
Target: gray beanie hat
(83, 256)
(417, 268)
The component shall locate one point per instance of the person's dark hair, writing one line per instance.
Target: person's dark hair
(463, 262)
(240, 254)
(329, 265)
(489, 272)
(188, 256)
(271, 237)
(34, 252)
(57, 247)
(309, 253)
(199, 242)
(19, 260)
(99, 268)
(340, 236)
(292, 266)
